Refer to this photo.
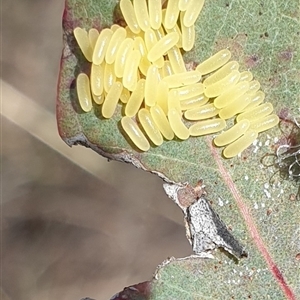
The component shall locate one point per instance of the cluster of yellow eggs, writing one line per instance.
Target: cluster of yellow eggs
(141, 67)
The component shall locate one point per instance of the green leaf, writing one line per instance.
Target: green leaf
(252, 199)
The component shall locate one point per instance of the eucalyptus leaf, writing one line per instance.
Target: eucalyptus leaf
(252, 198)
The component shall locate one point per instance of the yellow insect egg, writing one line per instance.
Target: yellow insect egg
(222, 85)
(255, 99)
(161, 122)
(176, 60)
(172, 13)
(117, 38)
(131, 70)
(232, 133)
(159, 33)
(202, 112)
(167, 69)
(93, 36)
(246, 76)
(141, 13)
(84, 92)
(129, 15)
(183, 5)
(264, 123)
(188, 34)
(161, 72)
(231, 94)
(162, 96)
(173, 101)
(193, 102)
(150, 127)
(83, 42)
(136, 99)
(214, 62)
(162, 46)
(135, 133)
(192, 12)
(254, 86)
(159, 63)
(155, 13)
(98, 99)
(125, 95)
(178, 31)
(257, 112)
(101, 46)
(122, 55)
(111, 100)
(178, 127)
(151, 84)
(97, 79)
(150, 41)
(184, 78)
(114, 27)
(240, 144)
(235, 107)
(221, 73)
(109, 76)
(139, 44)
(189, 91)
(207, 127)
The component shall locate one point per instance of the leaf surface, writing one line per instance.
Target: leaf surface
(252, 199)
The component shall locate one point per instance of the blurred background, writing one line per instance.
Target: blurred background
(73, 225)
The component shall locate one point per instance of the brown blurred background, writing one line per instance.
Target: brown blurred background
(73, 225)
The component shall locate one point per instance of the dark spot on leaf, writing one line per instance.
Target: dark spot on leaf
(260, 13)
(263, 35)
(283, 113)
(251, 61)
(286, 55)
(275, 80)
